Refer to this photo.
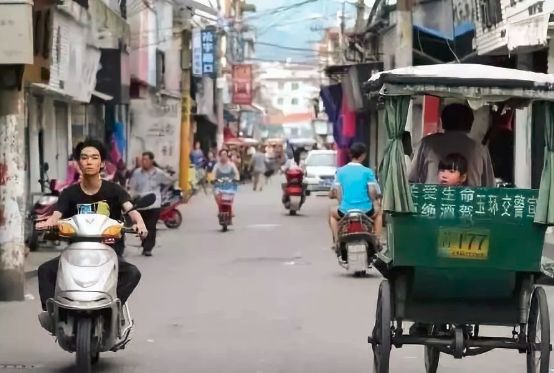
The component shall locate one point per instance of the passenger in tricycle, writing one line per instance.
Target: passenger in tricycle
(453, 170)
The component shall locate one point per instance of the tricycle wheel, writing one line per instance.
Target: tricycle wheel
(538, 334)
(432, 356)
(382, 330)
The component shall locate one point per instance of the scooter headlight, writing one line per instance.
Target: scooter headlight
(113, 231)
(87, 258)
(66, 230)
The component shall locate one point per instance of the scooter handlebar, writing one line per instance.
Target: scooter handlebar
(129, 230)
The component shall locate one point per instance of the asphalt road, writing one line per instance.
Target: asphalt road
(265, 297)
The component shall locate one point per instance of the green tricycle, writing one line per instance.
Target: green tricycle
(460, 258)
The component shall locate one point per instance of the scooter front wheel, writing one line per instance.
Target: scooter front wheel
(83, 345)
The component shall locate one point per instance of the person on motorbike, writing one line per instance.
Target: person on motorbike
(289, 164)
(356, 188)
(224, 169)
(91, 195)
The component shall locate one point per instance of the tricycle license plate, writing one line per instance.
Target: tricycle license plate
(457, 243)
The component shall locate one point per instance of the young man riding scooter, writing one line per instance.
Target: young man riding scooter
(356, 188)
(91, 195)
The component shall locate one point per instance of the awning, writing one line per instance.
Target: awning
(165, 92)
(51, 90)
(252, 107)
(458, 31)
(102, 96)
(197, 5)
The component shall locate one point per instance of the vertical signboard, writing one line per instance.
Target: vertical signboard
(242, 84)
(196, 52)
(204, 53)
(208, 52)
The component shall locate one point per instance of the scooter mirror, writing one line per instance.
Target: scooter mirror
(145, 201)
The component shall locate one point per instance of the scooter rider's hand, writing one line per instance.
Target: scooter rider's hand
(49, 223)
(141, 230)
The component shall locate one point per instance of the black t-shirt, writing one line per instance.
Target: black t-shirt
(108, 201)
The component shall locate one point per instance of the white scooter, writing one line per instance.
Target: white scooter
(86, 315)
(356, 246)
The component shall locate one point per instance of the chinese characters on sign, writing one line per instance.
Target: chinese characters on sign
(438, 202)
(242, 84)
(204, 50)
(235, 49)
(196, 52)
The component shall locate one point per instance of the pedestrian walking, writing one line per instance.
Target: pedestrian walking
(258, 166)
(144, 180)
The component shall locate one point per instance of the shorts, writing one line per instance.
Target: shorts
(369, 213)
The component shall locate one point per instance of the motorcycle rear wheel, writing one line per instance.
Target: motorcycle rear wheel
(83, 346)
(175, 221)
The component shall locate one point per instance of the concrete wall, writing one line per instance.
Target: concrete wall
(156, 127)
(12, 195)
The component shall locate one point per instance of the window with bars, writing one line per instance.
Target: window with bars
(491, 13)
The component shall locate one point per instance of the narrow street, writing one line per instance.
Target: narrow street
(265, 297)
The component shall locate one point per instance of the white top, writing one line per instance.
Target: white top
(468, 71)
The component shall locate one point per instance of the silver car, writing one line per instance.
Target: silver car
(320, 167)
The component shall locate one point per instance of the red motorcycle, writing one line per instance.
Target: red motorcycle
(357, 244)
(172, 198)
(294, 190)
(225, 195)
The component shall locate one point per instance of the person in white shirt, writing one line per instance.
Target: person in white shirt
(457, 120)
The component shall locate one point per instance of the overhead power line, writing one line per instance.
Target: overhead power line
(280, 9)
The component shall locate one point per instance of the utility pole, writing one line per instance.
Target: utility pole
(342, 37)
(219, 90)
(184, 159)
(360, 7)
(404, 33)
(12, 194)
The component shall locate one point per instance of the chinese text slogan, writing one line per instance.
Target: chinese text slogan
(204, 53)
(440, 202)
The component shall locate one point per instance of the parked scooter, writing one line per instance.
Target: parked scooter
(172, 198)
(294, 190)
(357, 245)
(225, 195)
(87, 316)
(46, 204)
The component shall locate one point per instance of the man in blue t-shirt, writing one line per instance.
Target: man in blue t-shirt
(356, 188)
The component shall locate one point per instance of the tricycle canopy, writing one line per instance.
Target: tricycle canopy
(475, 83)
(478, 85)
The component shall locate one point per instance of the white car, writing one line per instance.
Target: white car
(320, 167)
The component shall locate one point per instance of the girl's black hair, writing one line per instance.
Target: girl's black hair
(223, 150)
(455, 162)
